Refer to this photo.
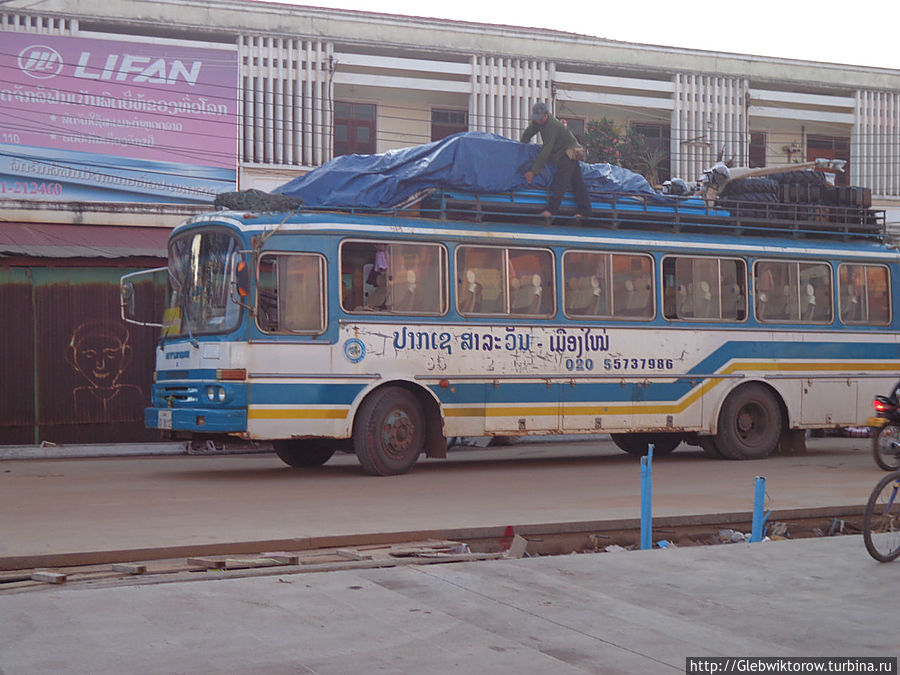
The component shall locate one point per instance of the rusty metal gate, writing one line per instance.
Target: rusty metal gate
(71, 371)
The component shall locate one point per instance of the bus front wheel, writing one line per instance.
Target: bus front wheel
(749, 423)
(304, 452)
(389, 432)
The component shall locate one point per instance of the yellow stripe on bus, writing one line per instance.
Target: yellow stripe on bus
(665, 408)
(295, 414)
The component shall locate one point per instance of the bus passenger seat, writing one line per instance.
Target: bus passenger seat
(809, 311)
(684, 307)
(596, 301)
(637, 302)
(574, 295)
(732, 302)
(704, 307)
(535, 295)
(516, 295)
(405, 293)
(377, 299)
(470, 294)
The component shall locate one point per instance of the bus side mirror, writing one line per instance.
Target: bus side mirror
(240, 280)
(139, 295)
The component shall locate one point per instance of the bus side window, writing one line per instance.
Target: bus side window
(398, 277)
(772, 294)
(632, 286)
(704, 289)
(530, 278)
(267, 294)
(416, 274)
(864, 294)
(290, 294)
(480, 283)
(734, 296)
(586, 293)
(815, 292)
(878, 295)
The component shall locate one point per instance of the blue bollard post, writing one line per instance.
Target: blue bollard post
(647, 499)
(759, 518)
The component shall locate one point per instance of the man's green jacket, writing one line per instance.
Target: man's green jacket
(556, 138)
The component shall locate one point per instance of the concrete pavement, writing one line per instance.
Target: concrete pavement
(621, 612)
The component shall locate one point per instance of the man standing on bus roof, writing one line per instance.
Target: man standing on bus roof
(560, 148)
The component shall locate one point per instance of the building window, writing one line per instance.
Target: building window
(575, 125)
(658, 141)
(354, 128)
(830, 147)
(448, 122)
(757, 149)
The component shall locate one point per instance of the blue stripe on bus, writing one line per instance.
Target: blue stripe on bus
(837, 351)
(283, 393)
(303, 394)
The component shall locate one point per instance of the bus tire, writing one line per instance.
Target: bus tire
(305, 452)
(638, 444)
(389, 432)
(749, 423)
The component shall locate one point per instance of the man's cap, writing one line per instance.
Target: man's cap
(538, 110)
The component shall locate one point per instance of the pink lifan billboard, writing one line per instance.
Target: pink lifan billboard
(112, 120)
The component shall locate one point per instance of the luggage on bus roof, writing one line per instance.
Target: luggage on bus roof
(470, 161)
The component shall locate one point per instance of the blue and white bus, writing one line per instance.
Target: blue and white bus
(387, 334)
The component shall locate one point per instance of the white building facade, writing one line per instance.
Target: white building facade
(318, 82)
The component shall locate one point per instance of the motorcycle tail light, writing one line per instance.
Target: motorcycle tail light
(881, 406)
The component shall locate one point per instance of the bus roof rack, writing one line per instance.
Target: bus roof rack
(735, 215)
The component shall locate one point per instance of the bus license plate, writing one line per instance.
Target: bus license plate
(164, 419)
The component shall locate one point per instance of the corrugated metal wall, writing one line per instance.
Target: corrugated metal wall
(73, 371)
(16, 357)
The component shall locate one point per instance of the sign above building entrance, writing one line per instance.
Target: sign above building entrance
(101, 119)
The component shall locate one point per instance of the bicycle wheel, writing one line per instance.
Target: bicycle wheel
(881, 525)
(886, 447)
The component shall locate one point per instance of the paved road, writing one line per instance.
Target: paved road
(71, 506)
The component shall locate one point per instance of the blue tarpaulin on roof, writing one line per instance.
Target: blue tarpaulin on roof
(471, 161)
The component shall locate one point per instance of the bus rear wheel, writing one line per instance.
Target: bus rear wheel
(305, 452)
(389, 432)
(749, 423)
(638, 444)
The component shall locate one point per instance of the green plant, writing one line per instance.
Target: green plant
(605, 143)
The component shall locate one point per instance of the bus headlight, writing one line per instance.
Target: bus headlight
(214, 394)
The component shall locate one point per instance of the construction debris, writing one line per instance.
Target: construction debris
(49, 577)
(129, 568)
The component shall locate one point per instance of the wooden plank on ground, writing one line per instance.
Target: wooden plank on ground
(49, 577)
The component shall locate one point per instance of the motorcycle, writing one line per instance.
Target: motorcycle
(886, 430)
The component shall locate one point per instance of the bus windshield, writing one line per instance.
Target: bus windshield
(198, 300)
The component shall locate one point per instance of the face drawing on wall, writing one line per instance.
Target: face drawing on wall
(100, 353)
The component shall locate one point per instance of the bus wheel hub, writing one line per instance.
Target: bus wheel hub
(398, 431)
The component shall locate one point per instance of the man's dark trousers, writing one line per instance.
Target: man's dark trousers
(568, 175)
